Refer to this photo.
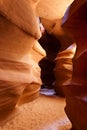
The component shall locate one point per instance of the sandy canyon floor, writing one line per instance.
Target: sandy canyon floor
(44, 113)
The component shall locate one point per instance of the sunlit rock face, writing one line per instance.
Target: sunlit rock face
(51, 17)
(20, 12)
(76, 89)
(20, 53)
(64, 68)
(52, 9)
(53, 27)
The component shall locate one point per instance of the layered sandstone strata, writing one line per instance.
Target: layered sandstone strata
(64, 67)
(76, 89)
(20, 53)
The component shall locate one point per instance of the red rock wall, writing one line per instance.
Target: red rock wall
(76, 89)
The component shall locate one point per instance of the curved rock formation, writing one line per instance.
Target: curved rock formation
(76, 89)
(19, 56)
(64, 68)
(20, 51)
(53, 27)
(52, 9)
(22, 14)
(51, 17)
(64, 39)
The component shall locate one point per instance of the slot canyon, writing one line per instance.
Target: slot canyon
(43, 65)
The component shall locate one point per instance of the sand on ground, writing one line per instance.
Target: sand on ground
(44, 113)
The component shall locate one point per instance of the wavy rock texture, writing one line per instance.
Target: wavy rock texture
(22, 14)
(76, 89)
(19, 70)
(64, 67)
(65, 39)
(20, 52)
(51, 19)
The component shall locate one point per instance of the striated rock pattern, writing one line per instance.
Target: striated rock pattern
(20, 53)
(76, 89)
(63, 68)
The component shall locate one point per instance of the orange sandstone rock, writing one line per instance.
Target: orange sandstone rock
(19, 56)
